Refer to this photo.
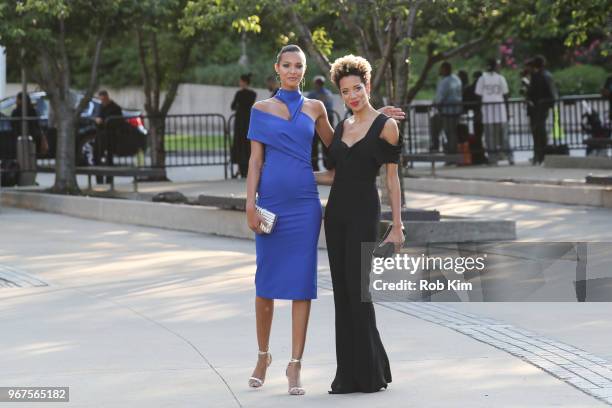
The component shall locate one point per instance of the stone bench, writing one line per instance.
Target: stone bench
(112, 171)
(432, 158)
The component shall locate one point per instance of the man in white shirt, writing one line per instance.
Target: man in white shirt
(493, 89)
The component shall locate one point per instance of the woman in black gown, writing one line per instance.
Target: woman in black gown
(242, 103)
(361, 145)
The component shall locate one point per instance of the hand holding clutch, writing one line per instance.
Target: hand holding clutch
(268, 219)
(386, 249)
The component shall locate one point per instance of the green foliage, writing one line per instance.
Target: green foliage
(34, 25)
(261, 67)
(227, 75)
(224, 50)
(580, 79)
(119, 65)
(572, 20)
(539, 26)
(322, 40)
(204, 15)
(250, 23)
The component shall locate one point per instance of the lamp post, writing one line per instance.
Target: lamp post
(26, 149)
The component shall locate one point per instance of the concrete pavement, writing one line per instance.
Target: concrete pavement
(141, 317)
(521, 172)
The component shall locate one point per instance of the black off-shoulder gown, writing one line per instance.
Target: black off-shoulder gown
(352, 216)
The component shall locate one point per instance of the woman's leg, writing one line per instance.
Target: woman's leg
(370, 364)
(264, 310)
(335, 234)
(300, 313)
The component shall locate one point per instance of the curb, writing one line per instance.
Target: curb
(229, 223)
(593, 196)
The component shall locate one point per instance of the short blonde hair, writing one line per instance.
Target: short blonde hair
(350, 65)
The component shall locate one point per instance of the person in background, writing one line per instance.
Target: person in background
(493, 89)
(109, 122)
(606, 92)
(465, 79)
(242, 104)
(40, 141)
(541, 96)
(448, 104)
(472, 102)
(272, 85)
(324, 95)
(525, 78)
(463, 129)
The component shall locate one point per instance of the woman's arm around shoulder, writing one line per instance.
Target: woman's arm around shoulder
(326, 177)
(322, 125)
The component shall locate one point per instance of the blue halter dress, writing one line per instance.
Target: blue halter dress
(287, 258)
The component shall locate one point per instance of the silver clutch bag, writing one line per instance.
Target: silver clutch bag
(269, 219)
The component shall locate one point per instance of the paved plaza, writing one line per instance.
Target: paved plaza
(144, 317)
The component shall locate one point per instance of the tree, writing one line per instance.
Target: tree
(386, 33)
(167, 32)
(48, 31)
(555, 28)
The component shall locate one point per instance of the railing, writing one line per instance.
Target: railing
(205, 139)
(566, 121)
(178, 140)
(190, 140)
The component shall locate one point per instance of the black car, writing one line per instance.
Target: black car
(132, 135)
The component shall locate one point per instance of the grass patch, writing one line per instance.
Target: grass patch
(193, 143)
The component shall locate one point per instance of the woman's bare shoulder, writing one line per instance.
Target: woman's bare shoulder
(314, 104)
(265, 105)
(390, 132)
(315, 109)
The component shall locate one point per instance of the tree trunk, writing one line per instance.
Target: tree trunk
(306, 36)
(157, 111)
(65, 176)
(54, 78)
(157, 132)
(53, 75)
(244, 58)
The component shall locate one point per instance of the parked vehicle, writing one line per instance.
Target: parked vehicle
(132, 137)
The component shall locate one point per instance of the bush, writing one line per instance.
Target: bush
(580, 79)
(261, 67)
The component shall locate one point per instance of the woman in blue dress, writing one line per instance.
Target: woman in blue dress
(280, 179)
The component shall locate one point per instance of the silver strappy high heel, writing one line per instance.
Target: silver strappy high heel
(297, 389)
(255, 382)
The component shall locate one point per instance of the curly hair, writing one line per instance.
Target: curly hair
(350, 65)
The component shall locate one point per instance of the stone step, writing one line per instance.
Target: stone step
(232, 223)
